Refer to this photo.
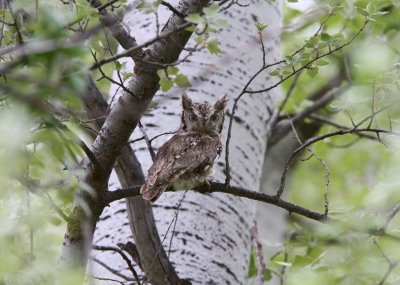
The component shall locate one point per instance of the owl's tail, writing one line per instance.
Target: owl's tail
(151, 192)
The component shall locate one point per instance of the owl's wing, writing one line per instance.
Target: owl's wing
(183, 153)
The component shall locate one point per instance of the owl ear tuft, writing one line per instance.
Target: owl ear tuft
(186, 101)
(221, 103)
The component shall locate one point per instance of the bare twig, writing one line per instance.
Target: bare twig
(106, 279)
(107, 4)
(255, 75)
(273, 119)
(173, 10)
(390, 215)
(123, 255)
(88, 153)
(112, 270)
(327, 121)
(391, 264)
(327, 172)
(372, 105)
(129, 51)
(173, 222)
(119, 32)
(148, 142)
(151, 140)
(259, 253)
(55, 207)
(283, 270)
(320, 138)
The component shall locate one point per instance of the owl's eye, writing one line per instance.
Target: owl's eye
(214, 118)
(193, 117)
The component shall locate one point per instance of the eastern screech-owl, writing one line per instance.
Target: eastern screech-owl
(186, 160)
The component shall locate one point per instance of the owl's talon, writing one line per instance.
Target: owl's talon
(208, 185)
(205, 188)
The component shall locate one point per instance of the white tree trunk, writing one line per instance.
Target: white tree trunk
(210, 242)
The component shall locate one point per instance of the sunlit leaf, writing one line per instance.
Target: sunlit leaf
(213, 47)
(182, 81)
(260, 26)
(194, 18)
(312, 71)
(211, 11)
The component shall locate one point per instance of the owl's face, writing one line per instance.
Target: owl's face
(203, 118)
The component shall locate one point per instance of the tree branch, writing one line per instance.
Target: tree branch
(142, 223)
(283, 79)
(254, 195)
(320, 138)
(236, 191)
(114, 134)
(117, 30)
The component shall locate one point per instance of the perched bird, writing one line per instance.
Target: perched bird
(186, 159)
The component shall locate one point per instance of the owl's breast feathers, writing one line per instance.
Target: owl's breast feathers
(183, 156)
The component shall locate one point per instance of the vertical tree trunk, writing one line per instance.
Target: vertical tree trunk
(207, 236)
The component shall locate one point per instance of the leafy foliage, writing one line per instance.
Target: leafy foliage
(46, 58)
(362, 184)
(40, 140)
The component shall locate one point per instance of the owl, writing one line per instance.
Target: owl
(186, 160)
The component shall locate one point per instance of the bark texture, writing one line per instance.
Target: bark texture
(206, 236)
(113, 136)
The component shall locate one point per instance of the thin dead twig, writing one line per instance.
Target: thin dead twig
(259, 253)
(123, 255)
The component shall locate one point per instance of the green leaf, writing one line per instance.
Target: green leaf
(54, 220)
(292, 1)
(283, 263)
(370, 8)
(312, 71)
(337, 39)
(161, 73)
(220, 23)
(211, 11)
(275, 72)
(195, 19)
(362, 12)
(287, 70)
(166, 84)
(312, 42)
(182, 81)
(213, 47)
(118, 65)
(321, 62)
(289, 59)
(126, 75)
(190, 29)
(252, 266)
(147, 7)
(325, 37)
(210, 29)
(301, 261)
(260, 26)
(267, 274)
(200, 39)
(381, 13)
(155, 5)
(172, 70)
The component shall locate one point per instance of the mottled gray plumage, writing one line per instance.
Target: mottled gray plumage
(187, 158)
